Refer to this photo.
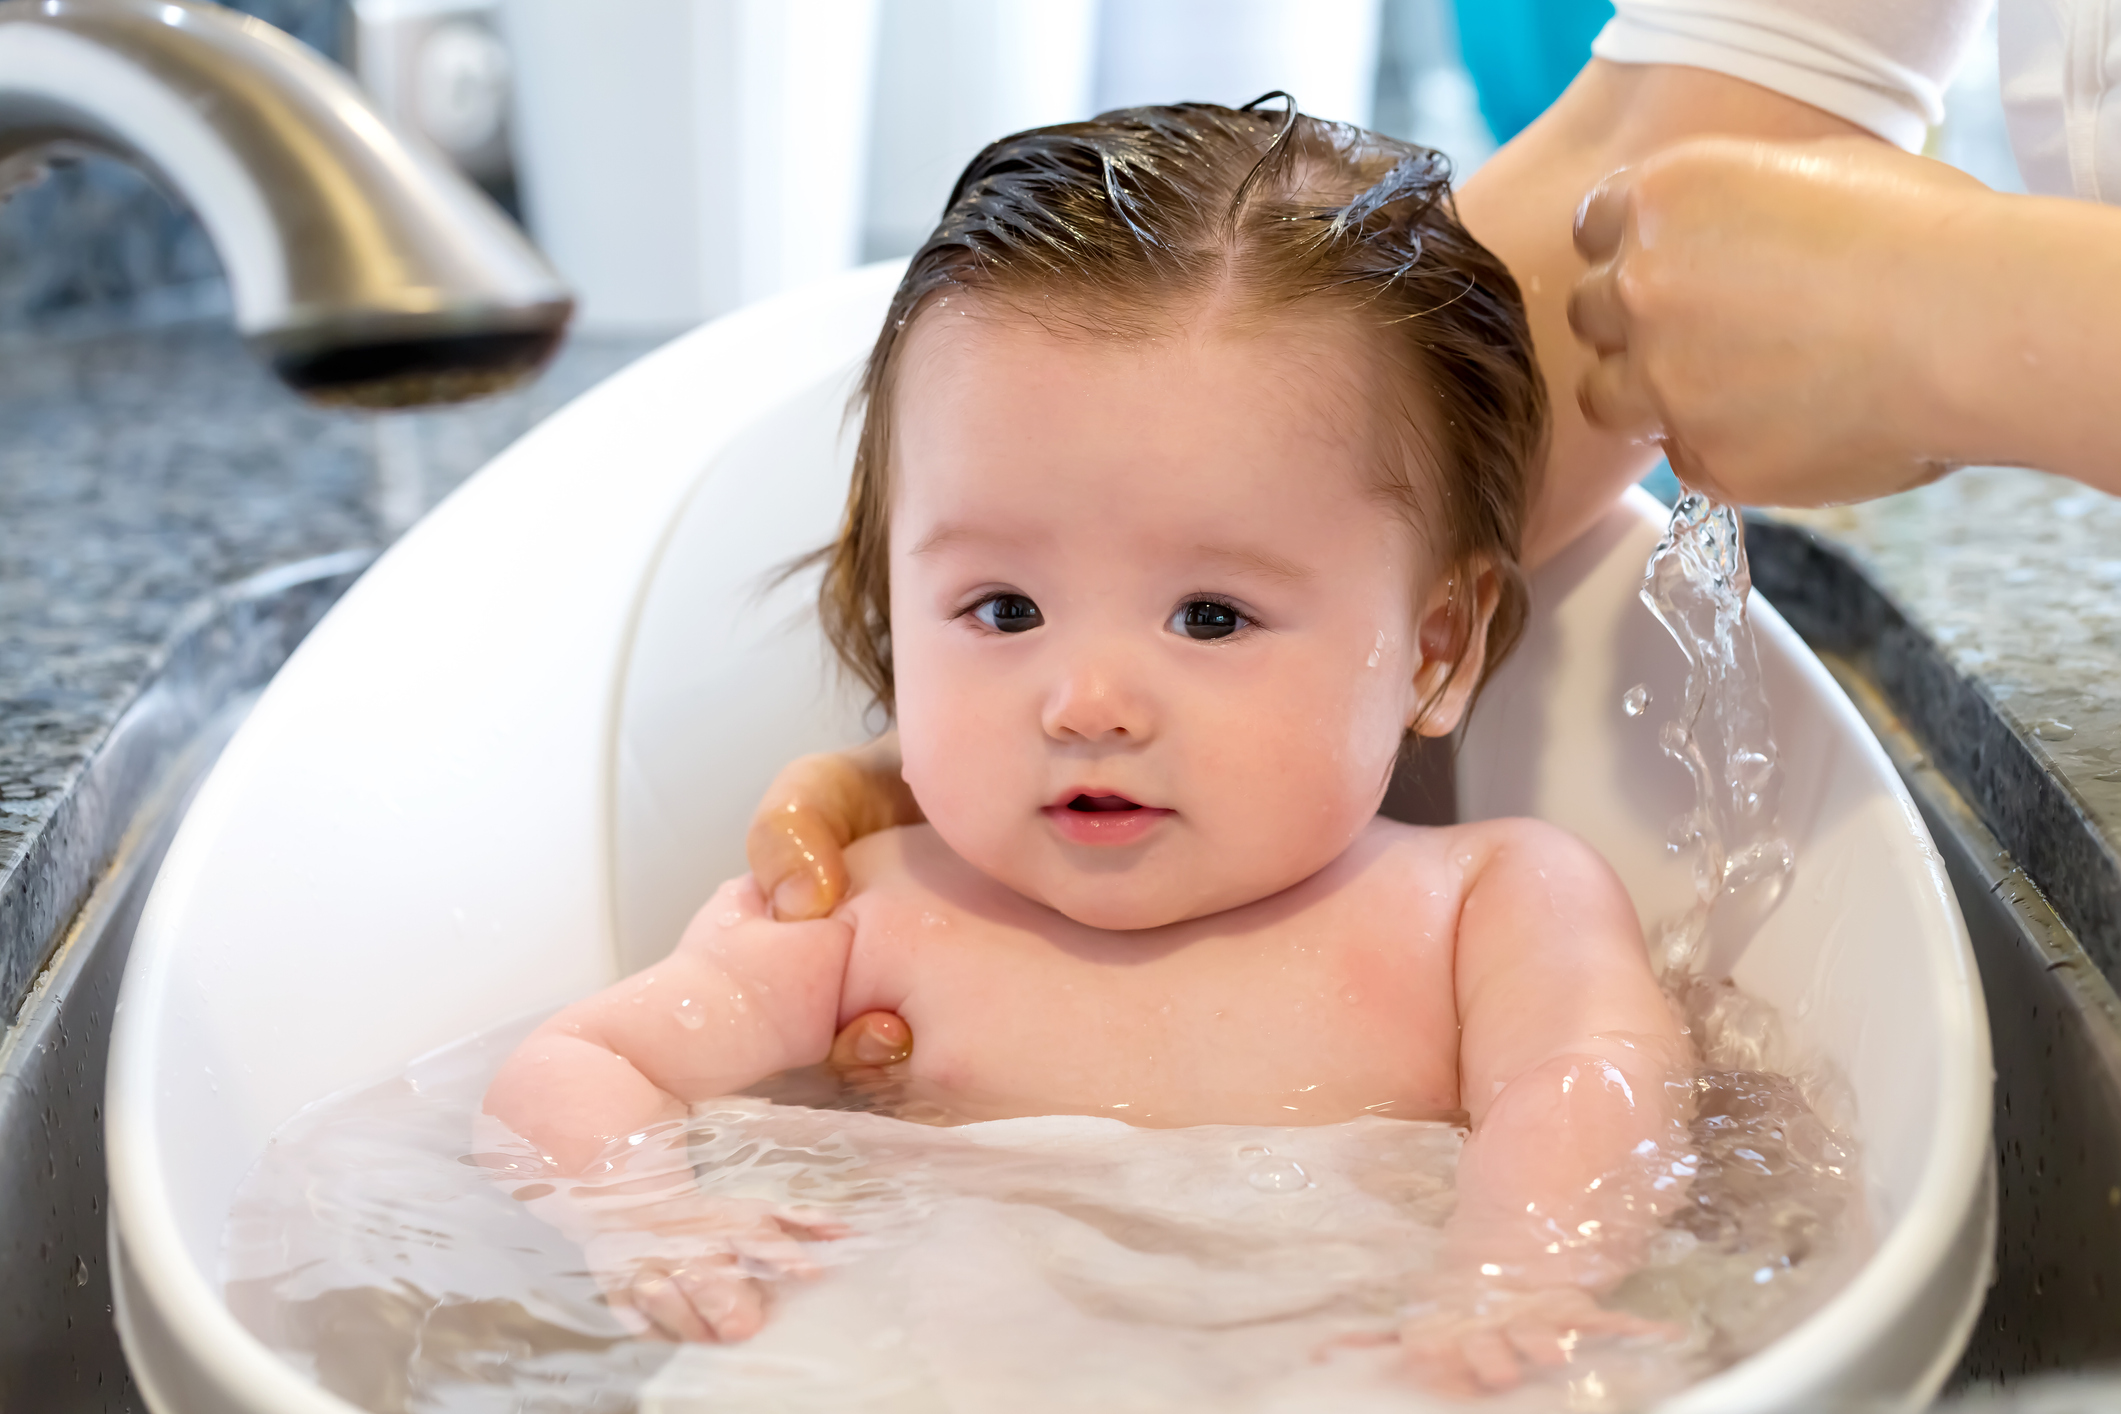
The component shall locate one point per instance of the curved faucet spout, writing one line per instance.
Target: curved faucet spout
(363, 268)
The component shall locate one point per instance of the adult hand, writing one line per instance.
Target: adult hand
(1519, 204)
(1783, 317)
(814, 809)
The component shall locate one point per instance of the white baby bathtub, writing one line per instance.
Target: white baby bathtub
(522, 750)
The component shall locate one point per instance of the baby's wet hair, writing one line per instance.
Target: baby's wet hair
(1121, 226)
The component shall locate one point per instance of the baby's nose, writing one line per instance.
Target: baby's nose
(1093, 702)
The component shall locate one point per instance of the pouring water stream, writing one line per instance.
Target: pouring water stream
(1696, 584)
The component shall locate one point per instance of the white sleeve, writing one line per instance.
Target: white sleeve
(1881, 64)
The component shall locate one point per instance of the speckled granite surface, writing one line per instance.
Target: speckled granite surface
(2017, 578)
(1988, 606)
(139, 473)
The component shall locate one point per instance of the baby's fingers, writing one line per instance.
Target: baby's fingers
(730, 1305)
(811, 1225)
(659, 1307)
(1437, 1361)
(1541, 1342)
(1492, 1361)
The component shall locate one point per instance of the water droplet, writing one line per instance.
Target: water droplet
(689, 1016)
(1252, 1152)
(1278, 1176)
(730, 919)
(2048, 729)
(1350, 995)
(1636, 700)
(80, 1271)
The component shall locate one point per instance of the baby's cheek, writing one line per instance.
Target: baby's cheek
(957, 758)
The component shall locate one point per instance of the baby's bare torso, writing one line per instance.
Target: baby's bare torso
(1329, 1000)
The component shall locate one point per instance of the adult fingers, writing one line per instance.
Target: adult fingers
(1596, 311)
(872, 1039)
(1613, 398)
(796, 855)
(1697, 475)
(814, 809)
(1602, 217)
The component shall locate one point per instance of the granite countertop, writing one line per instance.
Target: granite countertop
(2016, 576)
(139, 473)
(142, 471)
(1987, 608)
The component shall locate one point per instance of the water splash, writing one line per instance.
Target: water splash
(1696, 584)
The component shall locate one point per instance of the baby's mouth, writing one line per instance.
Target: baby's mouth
(1097, 817)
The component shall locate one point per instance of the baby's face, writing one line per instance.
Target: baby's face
(1154, 630)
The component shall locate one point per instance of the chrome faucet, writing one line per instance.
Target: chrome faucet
(363, 268)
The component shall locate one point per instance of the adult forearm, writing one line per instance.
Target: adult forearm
(1522, 205)
(2023, 370)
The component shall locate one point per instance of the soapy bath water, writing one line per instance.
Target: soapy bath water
(399, 1254)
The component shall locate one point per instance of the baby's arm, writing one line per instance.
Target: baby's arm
(1566, 1048)
(601, 1090)
(740, 998)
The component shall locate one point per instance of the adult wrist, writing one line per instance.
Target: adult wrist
(1946, 315)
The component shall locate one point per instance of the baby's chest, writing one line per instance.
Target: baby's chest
(1297, 1025)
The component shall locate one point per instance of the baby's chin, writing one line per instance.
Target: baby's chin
(1129, 901)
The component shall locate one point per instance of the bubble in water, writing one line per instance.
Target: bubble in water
(1278, 1176)
(1636, 700)
(1253, 1152)
(2048, 729)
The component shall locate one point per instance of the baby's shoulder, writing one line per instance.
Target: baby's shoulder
(901, 871)
(889, 863)
(1452, 858)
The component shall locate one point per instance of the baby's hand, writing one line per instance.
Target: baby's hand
(1468, 1347)
(701, 1273)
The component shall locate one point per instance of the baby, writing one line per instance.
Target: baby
(1194, 468)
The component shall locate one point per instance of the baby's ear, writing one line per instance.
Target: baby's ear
(1454, 647)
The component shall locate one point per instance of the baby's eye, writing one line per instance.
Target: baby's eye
(1205, 619)
(1009, 613)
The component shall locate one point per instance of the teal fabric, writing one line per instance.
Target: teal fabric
(1661, 483)
(1522, 53)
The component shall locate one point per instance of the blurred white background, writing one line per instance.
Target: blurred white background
(680, 158)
